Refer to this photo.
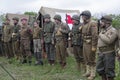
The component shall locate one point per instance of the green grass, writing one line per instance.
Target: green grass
(46, 72)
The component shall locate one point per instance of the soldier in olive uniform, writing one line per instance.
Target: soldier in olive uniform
(48, 29)
(77, 41)
(61, 37)
(37, 35)
(118, 50)
(89, 36)
(106, 51)
(2, 39)
(25, 34)
(6, 37)
(15, 38)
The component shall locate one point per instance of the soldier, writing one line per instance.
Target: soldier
(61, 36)
(89, 36)
(25, 34)
(106, 51)
(48, 29)
(118, 45)
(15, 38)
(2, 42)
(6, 37)
(77, 41)
(2, 39)
(37, 35)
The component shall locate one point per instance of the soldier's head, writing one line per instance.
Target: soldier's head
(7, 21)
(75, 19)
(36, 24)
(24, 21)
(86, 15)
(47, 18)
(106, 21)
(15, 20)
(57, 18)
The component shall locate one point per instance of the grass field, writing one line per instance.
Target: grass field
(46, 72)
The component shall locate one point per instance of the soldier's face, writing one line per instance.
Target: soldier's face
(56, 21)
(47, 20)
(75, 22)
(84, 18)
(102, 23)
(24, 22)
(15, 21)
(35, 24)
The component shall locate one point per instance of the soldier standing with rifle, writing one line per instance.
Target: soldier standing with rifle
(77, 45)
(25, 35)
(48, 29)
(6, 38)
(61, 36)
(15, 38)
(106, 49)
(89, 36)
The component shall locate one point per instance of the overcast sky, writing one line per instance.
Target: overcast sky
(95, 6)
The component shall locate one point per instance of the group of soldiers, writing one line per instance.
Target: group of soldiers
(85, 38)
(16, 40)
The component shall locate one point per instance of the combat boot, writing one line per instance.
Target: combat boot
(63, 65)
(24, 61)
(110, 78)
(30, 62)
(92, 74)
(52, 62)
(87, 74)
(104, 77)
(39, 63)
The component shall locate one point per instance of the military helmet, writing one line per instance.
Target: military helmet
(75, 17)
(47, 16)
(107, 18)
(86, 13)
(58, 17)
(16, 18)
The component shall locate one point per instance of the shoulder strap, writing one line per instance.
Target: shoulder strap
(88, 28)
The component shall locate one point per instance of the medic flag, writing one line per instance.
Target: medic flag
(68, 19)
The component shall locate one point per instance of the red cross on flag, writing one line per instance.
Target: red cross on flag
(68, 19)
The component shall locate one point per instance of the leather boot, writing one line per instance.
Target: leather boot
(110, 78)
(92, 74)
(87, 74)
(63, 65)
(24, 61)
(104, 77)
(29, 62)
(52, 62)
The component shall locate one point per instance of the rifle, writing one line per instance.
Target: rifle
(98, 24)
(7, 71)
